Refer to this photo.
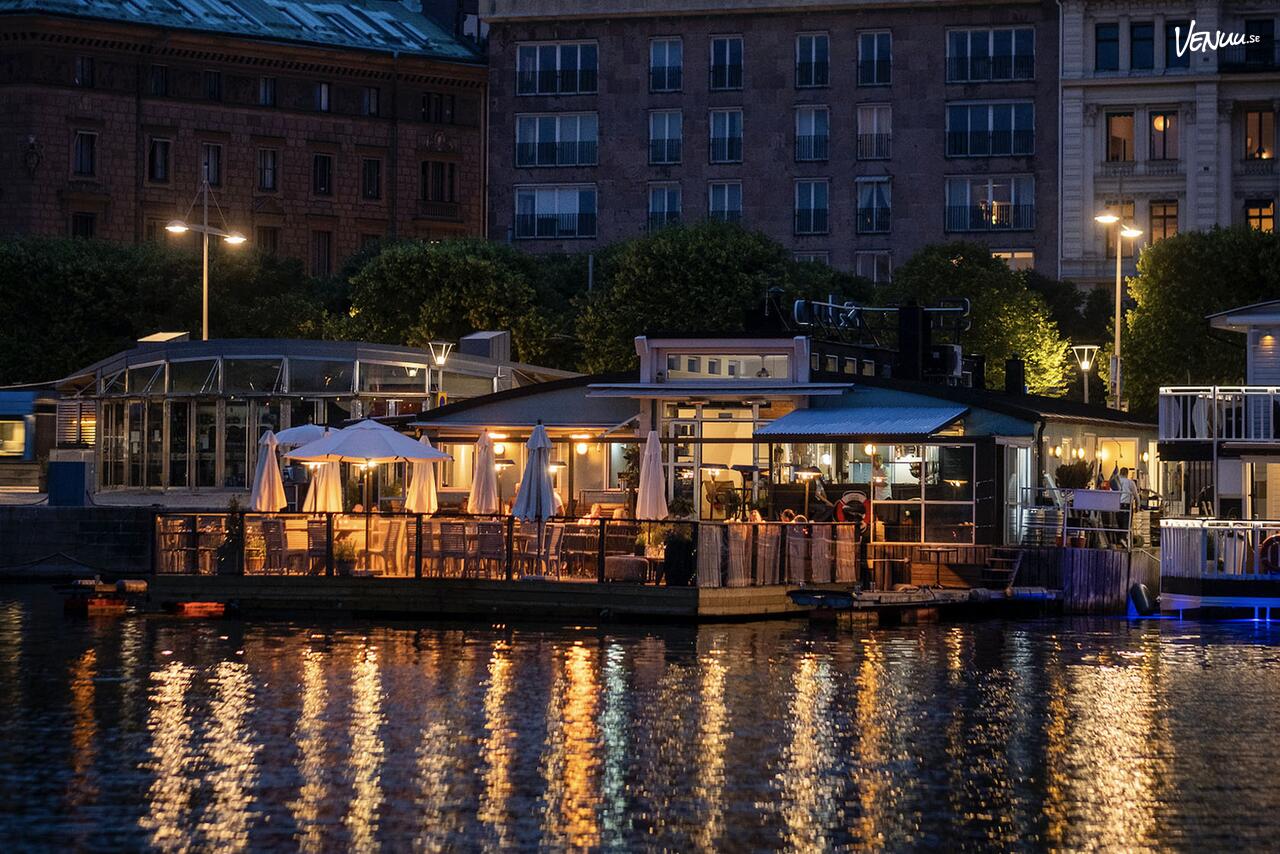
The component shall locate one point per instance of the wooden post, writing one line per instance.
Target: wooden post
(755, 555)
(328, 544)
(417, 548)
(509, 551)
(155, 542)
(600, 548)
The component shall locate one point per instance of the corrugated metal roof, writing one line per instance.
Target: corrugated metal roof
(867, 421)
(376, 25)
(720, 391)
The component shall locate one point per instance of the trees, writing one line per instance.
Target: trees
(1180, 281)
(1007, 318)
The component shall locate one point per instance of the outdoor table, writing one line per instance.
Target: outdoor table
(937, 552)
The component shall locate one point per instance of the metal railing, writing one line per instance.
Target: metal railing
(873, 220)
(666, 150)
(664, 219)
(1213, 548)
(555, 225)
(995, 217)
(812, 73)
(726, 75)
(873, 146)
(874, 72)
(811, 221)
(666, 78)
(1263, 56)
(811, 146)
(1076, 518)
(576, 153)
(726, 149)
(1225, 413)
(962, 69)
(400, 545)
(990, 143)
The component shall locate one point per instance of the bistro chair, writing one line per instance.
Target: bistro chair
(453, 546)
(490, 547)
(317, 546)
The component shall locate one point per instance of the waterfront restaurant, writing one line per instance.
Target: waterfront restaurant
(178, 417)
(744, 423)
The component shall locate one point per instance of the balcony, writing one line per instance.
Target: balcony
(544, 226)
(811, 147)
(445, 211)
(1237, 414)
(1257, 166)
(873, 220)
(979, 69)
(811, 221)
(990, 143)
(662, 151)
(1251, 58)
(726, 76)
(726, 149)
(666, 78)
(999, 216)
(873, 72)
(663, 219)
(873, 146)
(581, 153)
(577, 81)
(812, 74)
(1142, 168)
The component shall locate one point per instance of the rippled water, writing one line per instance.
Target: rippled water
(126, 733)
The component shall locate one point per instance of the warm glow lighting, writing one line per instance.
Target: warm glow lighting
(497, 437)
(807, 472)
(868, 449)
(581, 448)
(1130, 232)
(826, 459)
(555, 466)
(1057, 451)
(1106, 219)
(1158, 122)
(235, 238)
(1103, 454)
(1146, 458)
(176, 226)
(499, 448)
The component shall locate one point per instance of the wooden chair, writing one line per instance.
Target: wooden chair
(453, 547)
(490, 548)
(386, 544)
(317, 546)
(555, 541)
(278, 559)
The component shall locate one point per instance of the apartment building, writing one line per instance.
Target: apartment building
(853, 132)
(1170, 140)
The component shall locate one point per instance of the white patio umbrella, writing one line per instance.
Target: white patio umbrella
(484, 480)
(303, 434)
(537, 500)
(324, 495)
(421, 497)
(651, 500)
(268, 486)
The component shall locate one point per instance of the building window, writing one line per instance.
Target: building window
(875, 127)
(1106, 47)
(812, 133)
(1172, 32)
(266, 91)
(1164, 136)
(726, 136)
(811, 207)
(321, 253)
(322, 174)
(84, 154)
(812, 60)
(1125, 209)
(1259, 52)
(875, 59)
(84, 67)
(724, 201)
(268, 169)
(556, 140)
(1119, 137)
(556, 69)
(213, 85)
(1164, 219)
(322, 97)
(370, 96)
(1017, 259)
(983, 203)
(84, 225)
(1259, 134)
(439, 181)
(1260, 214)
(981, 130)
(438, 108)
(666, 136)
(978, 55)
(211, 163)
(664, 205)
(1142, 45)
(726, 63)
(550, 212)
(158, 161)
(666, 65)
(267, 239)
(159, 81)
(876, 266)
(873, 205)
(812, 257)
(371, 178)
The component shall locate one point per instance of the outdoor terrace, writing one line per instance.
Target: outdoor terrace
(1241, 414)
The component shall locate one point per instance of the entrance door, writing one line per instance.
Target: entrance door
(1018, 480)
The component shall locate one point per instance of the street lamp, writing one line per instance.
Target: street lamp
(1085, 355)
(182, 226)
(807, 474)
(1122, 231)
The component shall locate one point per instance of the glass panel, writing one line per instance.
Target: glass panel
(113, 444)
(266, 416)
(302, 412)
(13, 438)
(320, 376)
(457, 385)
(235, 461)
(251, 376)
(949, 470)
(155, 443)
(146, 380)
(410, 379)
(896, 523)
(730, 366)
(193, 377)
(135, 437)
(179, 441)
(948, 523)
(206, 443)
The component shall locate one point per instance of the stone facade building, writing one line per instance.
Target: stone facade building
(1170, 142)
(318, 126)
(853, 132)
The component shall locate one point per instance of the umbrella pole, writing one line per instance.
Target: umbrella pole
(366, 519)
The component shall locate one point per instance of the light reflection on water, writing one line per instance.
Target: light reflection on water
(229, 735)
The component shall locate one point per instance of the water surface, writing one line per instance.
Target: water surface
(168, 734)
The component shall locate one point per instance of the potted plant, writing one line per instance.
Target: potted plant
(1073, 475)
(344, 557)
(678, 559)
(230, 552)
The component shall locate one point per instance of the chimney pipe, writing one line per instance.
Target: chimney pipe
(1015, 376)
(913, 341)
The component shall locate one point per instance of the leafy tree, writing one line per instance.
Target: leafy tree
(1007, 318)
(1180, 281)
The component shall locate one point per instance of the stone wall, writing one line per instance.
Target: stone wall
(104, 539)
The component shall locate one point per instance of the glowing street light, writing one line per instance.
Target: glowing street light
(1085, 355)
(229, 236)
(1123, 231)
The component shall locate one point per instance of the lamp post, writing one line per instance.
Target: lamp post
(1085, 354)
(181, 226)
(1122, 231)
(807, 474)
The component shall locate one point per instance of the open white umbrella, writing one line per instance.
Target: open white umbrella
(651, 499)
(324, 495)
(303, 434)
(421, 497)
(484, 479)
(268, 486)
(537, 500)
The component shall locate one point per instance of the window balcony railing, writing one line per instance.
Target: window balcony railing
(529, 226)
(665, 150)
(873, 146)
(999, 216)
(1239, 414)
(873, 220)
(578, 81)
(990, 143)
(811, 146)
(873, 72)
(666, 78)
(581, 153)
(976, 69)
(811, 221)
(659, 220)
(725, 216)
(1246, 58)
(726, 76)
(726, 149)
(447, 211)
(1257, 166)
(810, 74)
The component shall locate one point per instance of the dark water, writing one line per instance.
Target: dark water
(132, 733)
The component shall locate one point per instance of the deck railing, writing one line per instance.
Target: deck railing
(1216, 548)
(1226, 413)
(703, 554)
(1080, 518)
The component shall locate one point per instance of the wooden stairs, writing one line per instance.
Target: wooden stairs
(1002, 568)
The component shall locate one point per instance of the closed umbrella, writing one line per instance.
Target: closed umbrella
(268, 486)
(484, 480)
(651, 500)
(537, 499)
(324, 495)
(421, 497)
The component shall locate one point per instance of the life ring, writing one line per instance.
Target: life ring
(1269, 554)
(844, 509)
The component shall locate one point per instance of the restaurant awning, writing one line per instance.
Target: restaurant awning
(896, 422)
